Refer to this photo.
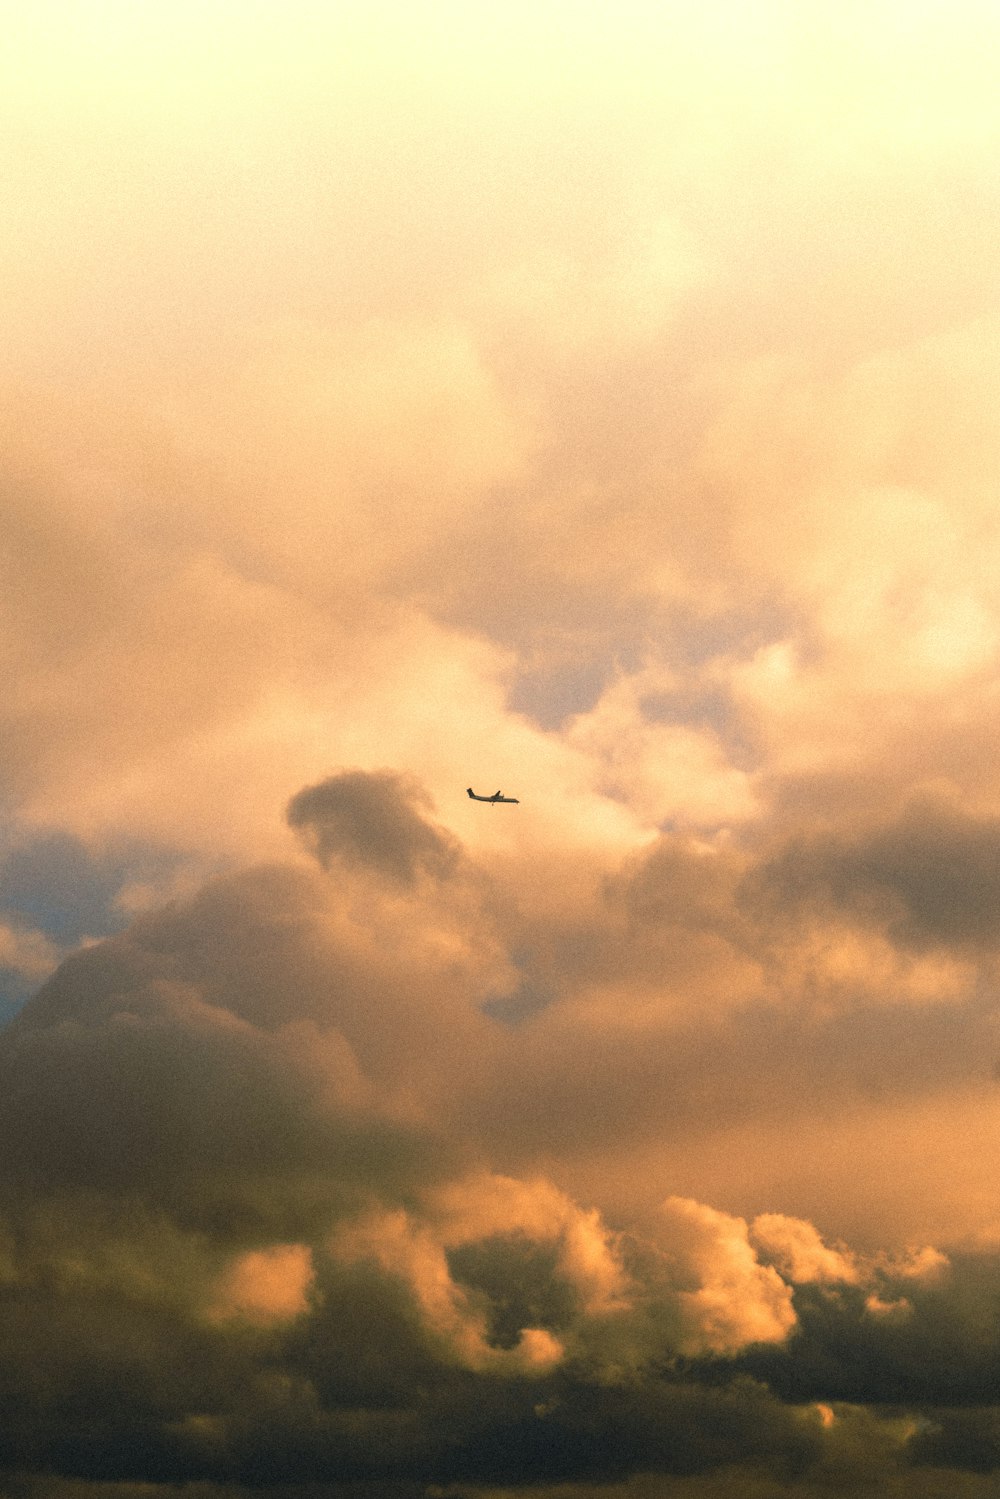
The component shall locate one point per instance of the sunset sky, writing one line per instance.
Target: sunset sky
(599, 402)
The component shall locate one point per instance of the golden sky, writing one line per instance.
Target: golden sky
(597, 402)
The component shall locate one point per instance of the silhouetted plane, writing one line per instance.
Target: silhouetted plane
(497, 796)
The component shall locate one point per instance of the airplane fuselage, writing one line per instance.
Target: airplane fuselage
(496, 797)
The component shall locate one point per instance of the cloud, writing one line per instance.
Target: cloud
(267, 1285)
(606, 405)
(74, 892)
(929, 877)
(189, 1083)
(292, 1262)
(734, 1299)
(449, 1314)
(26, 957)
(962, 1439)
(870, 1344)
(25, 952)
(798, 1252)
(372, 818)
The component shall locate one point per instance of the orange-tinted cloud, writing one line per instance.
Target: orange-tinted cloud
(603, 406)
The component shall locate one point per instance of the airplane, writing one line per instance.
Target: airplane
(497, 796)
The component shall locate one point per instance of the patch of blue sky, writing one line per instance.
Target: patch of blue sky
(15, 991)
(556, 691)
(56, 893)
(561, 678)
(693, 639)
(56, 885)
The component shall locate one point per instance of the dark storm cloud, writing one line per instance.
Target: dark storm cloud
(963, 1439)
(214, 1083)
(200, 1062)
(251, 943)
(931, 877)
(456, 1430)
(172, 1098)
(921, 1344)
(372, 819)
(195, 1113)
(192, 1091)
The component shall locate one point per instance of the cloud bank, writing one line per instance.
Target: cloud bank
(283, 1208)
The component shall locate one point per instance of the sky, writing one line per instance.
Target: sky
(601, 403)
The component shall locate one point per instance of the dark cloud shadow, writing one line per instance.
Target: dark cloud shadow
(931, 876)
(373, 819)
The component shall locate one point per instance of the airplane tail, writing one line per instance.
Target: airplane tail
(472, 793)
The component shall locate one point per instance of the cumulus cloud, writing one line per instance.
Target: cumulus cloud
(373, 818)
(204, 1150)
(267, 1285)
(222, 1169)
(798, 1252)
(731, 1299)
